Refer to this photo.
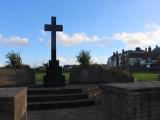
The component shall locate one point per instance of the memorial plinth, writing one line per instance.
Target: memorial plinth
(132, 101)
(13, 103)
(53, 75)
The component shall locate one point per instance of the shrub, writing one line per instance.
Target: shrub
(84, 58)
(14, 59)
(119, 72)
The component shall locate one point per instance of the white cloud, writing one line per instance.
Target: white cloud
(152, 26)
(43, 36)
(76, 38)
(13, 40)
(94, 59)
(40, 39)
(66, 60)
(1, 65)
(131, 40)
(38, 62)
(141, 39)
(44, 33)
(99, 59)
(62, 59)
(70, 61)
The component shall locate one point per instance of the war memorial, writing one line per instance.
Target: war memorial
(57, 100)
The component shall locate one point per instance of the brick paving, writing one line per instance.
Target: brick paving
(95, 112)
(84, 113)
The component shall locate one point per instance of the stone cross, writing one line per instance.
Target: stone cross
(53, 28)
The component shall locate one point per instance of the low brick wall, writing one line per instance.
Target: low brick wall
(95, 75)
(132, 101)
(16, 77)
(13, 103)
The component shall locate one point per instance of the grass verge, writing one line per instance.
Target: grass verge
(39, 76)
(145, 76)
(140, 76)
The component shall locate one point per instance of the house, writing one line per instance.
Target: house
(69, 67)
(137, 59)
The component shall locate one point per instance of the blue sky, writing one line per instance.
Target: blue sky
(101, 26)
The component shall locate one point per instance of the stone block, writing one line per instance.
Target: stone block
(95, 75)
(16, 77)
(53, 64)
(13, 102)
(133, 101)
(54, 75)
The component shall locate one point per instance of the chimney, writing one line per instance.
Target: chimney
(122, 50)
(138, 48)
(116, 52)
(145, 49)
(149, 49)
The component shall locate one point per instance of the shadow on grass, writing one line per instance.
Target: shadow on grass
(39, 77)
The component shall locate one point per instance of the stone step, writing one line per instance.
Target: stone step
(43, 91)
(60, 104)
(56, 97)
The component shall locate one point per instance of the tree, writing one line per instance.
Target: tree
(84, 58)
(14, 59)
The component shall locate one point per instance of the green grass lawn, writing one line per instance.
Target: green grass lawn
(39, 76)
(145, 76)
(140, 76)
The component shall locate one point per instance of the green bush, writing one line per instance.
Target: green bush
(84, 58)
(14, 59)
(119, 72)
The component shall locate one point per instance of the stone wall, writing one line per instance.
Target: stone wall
(16, 77)
(132, 101)
(95, 75)
(13, 103)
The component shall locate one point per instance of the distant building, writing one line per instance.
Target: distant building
(68, 67)
(41, 68)
(136, 59)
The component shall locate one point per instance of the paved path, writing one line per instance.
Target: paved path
(84, 113)
(96, 112)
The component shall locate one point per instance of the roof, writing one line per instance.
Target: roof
(157, 49)
(139, 53)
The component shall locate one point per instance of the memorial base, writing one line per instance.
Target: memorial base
(54, 77)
